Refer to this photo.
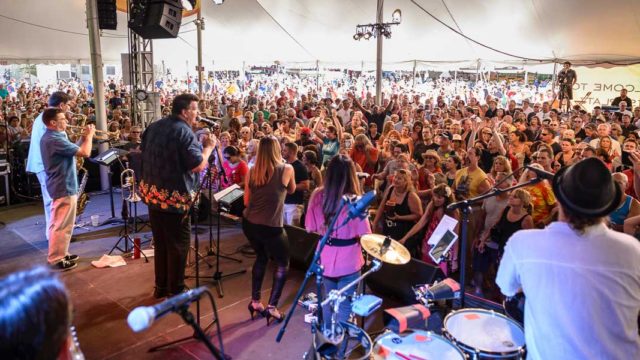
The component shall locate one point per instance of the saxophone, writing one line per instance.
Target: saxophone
(83, 198)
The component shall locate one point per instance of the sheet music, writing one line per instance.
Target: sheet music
(446, 223)
(219, 195)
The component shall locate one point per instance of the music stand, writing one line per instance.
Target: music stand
(107, 158)
(225, 200)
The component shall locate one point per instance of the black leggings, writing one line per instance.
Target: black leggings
(172, 237)
(268, 241)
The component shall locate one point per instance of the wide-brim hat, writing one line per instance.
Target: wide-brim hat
(431, 153)
(587, 189)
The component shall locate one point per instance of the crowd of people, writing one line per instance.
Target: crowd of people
(296, 146)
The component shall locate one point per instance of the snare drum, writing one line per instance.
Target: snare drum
(485, 334)
(415, 344)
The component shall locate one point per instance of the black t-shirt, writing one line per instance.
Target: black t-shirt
(301, 174)
(618, 100)
(486, 160)
(376, 118)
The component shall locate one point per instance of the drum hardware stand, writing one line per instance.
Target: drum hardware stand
(465, 208)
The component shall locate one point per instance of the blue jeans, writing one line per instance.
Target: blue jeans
(344, 312)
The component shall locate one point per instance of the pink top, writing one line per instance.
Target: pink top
(337, 261)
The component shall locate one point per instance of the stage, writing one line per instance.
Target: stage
(102, 298)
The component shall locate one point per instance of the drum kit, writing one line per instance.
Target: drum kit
(466, 333)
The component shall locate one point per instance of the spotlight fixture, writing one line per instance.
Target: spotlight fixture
(356, 36)
(188, 4)
(396, 17)
(367, 35)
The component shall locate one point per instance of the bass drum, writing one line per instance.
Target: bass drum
(485, 334)
(415, 344)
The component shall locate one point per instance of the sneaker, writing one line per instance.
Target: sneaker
(63, 265)
(72, 257)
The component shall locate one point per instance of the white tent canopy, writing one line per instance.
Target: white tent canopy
(305, 31)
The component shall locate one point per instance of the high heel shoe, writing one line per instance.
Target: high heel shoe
(272, 313)
(259, 309)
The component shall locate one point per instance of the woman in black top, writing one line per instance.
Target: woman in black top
(400, 207)
(490, 247)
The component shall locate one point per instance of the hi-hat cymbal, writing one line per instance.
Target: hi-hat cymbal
(385, 249)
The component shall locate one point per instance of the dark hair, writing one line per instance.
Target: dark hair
(520, 135)
(231, 151)
(182, 102)
(340, 180)
(57, 98)
(579, 222)
(13, 117)
(35, 315)
(50, 114)
(293, 147)
(456, 159)
(311, 156)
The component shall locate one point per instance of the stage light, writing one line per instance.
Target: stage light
(367, 35)
(188, 4)
(356, 36)
(396, 17)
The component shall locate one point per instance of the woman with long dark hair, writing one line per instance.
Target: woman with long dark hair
(268, 182)
(436, 209)
(342, 255)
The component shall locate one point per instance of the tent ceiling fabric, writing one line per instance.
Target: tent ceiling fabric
(304, 31)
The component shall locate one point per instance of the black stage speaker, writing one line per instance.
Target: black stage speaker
(156, 19)
(302, 246)
(107, 15)
(396, 281)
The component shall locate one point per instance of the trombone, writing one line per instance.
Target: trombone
(100, 134)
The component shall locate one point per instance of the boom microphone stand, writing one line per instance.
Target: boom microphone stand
(465, 209)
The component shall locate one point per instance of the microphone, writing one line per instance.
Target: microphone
(358, 206)
(542, 174)
(206, 121)
(142, 317)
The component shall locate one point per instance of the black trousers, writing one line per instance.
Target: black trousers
(268, 241)
(172, 237)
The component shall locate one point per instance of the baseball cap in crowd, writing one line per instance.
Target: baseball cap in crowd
(305, 131)
(457, 137)
(447, 135)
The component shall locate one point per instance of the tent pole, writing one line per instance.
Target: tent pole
(199, 26)
(317, 75)
(477, 70)
(555, 68)
(98, 82)
(379, 37)
(413, 86)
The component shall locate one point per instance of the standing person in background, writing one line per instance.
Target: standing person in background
(294, 203)
(59, 160)
(342, 256)
(400, 207)
(268, 183)
(58, 99)
(171, 159)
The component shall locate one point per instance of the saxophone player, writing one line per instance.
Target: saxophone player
(59, 159)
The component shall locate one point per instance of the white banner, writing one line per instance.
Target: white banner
(605, 85)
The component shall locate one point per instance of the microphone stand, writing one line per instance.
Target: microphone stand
(314, 269)
(465, 208)
(198, 331)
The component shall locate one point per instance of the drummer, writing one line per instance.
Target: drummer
(581, 279)
(342, 256)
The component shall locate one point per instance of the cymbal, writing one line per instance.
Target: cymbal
(395, 252)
